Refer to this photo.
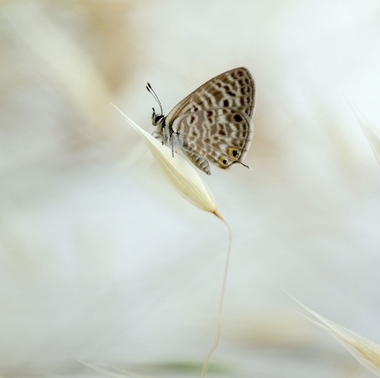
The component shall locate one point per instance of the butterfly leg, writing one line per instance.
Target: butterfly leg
(175, 140)
(157, 135)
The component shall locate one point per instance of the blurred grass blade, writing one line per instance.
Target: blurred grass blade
(102, 371)
(64, 59)
(364, 350)
(181, 174)
(369, 129)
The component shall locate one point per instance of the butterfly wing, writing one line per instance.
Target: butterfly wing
(234, 89)
(221, 135)
(215, 121)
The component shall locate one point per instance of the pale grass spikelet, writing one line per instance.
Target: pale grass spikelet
(364, 350)
(180, 173)
(184, 177)
(371, 132)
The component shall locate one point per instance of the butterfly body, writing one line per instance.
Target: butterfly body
(213, 123)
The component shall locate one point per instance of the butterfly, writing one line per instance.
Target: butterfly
(213, 123)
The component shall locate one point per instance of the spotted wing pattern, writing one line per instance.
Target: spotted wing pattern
(221, 135)
(215, 121)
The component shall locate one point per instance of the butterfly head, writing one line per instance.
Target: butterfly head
(157, 119)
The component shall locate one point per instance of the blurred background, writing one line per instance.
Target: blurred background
(101, 260)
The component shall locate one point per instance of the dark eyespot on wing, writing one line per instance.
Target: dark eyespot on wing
(223, 162)
(234, 153)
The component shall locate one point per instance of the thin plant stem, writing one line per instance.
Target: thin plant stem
(221, 300)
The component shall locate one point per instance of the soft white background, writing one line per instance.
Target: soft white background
(102, 260)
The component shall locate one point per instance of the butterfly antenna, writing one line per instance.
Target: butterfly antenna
(154, 94)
